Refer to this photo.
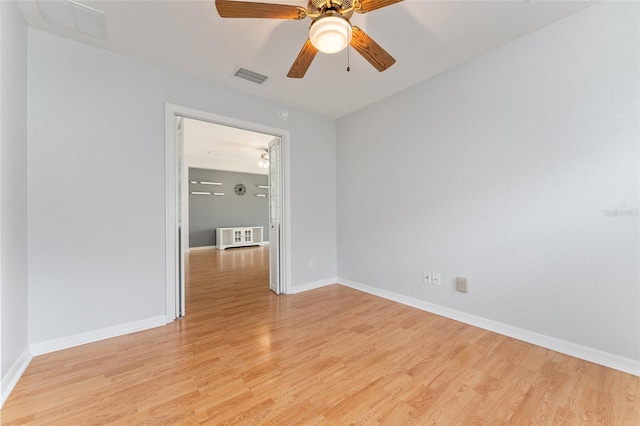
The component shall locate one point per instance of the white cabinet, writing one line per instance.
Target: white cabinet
(239, 237)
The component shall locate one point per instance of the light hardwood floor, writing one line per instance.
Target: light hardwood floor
(332, 356)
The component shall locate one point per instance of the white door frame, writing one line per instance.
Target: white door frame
(171, 195)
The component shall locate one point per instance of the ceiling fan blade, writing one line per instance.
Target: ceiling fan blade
(245, 9)
(302, 62)
(370, 50)
(369, 5)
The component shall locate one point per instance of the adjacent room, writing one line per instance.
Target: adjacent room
(436, 223)
(224, 201)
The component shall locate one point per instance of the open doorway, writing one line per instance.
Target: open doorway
(225, 192)
(178, 189)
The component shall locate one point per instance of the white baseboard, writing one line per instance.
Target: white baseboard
(190, 249)
(312, 286)
(201, 248)
(583, 352)
(14, 374)
(95, 335)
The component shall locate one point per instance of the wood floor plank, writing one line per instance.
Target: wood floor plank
(331, 356)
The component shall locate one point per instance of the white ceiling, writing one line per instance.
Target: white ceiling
(425, 37)
(213, 146)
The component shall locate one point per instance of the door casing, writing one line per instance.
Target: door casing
(172, 167)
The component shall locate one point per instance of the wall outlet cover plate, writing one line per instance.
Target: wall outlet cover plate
(461, 284)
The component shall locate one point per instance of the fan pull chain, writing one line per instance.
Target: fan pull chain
(348, 62)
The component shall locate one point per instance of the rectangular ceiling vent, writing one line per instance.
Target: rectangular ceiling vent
(74, 16)
(249, 75)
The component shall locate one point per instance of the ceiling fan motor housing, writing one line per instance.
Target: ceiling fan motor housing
(319, 6)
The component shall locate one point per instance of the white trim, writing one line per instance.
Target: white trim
(201, 248)
(583, 352)
(13, 375)
(313, 285)
(171, 111)
(190, 249)
(95, 335)
(171, 232)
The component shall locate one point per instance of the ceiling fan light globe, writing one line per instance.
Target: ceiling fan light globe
(330, 34)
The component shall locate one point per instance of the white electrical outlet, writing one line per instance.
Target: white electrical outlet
(312, 263)
(426, 277)
(461, 284)
(436, 279)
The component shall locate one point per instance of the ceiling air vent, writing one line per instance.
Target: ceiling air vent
(74, 16)
(249, 75)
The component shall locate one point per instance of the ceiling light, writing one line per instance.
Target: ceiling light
(264, 160)
(330, 33)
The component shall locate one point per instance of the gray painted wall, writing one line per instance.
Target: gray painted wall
(502, 170)
(208, 212)
(13, 189)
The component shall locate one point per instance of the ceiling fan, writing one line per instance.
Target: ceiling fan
(330, 30)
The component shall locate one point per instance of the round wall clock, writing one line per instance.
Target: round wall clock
(240, 189)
